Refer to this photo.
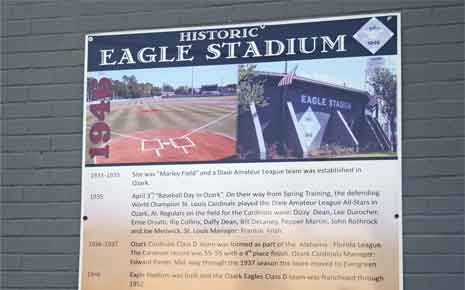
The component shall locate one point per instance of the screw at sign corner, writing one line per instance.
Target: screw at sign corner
(90, 38)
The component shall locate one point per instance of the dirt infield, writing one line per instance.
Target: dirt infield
(169, 145)
(170, 130)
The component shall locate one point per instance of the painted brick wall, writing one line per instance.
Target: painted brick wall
(42, 75)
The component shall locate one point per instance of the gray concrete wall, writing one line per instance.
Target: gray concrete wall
(42, 75)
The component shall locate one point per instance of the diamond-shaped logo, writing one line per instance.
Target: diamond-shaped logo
(310, 127)
(373, 35)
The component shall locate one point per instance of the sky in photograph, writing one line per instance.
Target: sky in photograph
(342, 71)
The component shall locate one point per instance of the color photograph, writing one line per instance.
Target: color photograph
(312, 109)
(182, 114)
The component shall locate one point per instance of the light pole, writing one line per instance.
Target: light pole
(192, 81)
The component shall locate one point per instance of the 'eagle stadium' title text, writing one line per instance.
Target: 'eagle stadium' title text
(228, 45)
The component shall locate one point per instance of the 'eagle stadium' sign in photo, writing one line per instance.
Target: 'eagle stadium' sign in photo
(258, 156)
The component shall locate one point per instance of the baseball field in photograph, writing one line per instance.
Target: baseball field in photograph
(163, 130)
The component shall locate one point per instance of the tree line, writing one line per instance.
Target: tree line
(130, 88)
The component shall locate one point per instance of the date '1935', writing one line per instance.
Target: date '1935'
(100, 133)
